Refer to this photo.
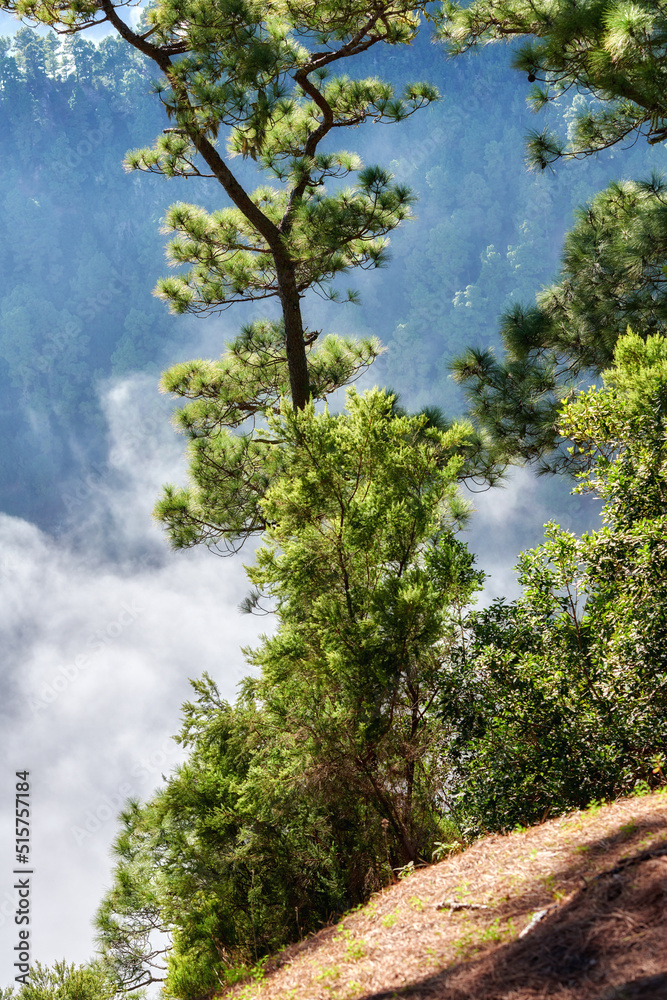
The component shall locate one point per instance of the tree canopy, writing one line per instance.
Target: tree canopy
(230, 472)
(376, 712)
(615, 53)
(297, 802)
(63, 981)
(560, 696)
(612, 275)
(613, 57)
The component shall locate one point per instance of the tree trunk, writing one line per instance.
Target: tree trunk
(295, 347)
(297, 361)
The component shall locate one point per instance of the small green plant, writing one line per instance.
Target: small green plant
(473, 939)
(549, 883)
(406, 871)
(443, 850)
(247, 992)
(465, 943)
(333, 972)
(356, 947)
(256, 974)
(356, 950)
(389, 919)
(657, 763)
(416, 903)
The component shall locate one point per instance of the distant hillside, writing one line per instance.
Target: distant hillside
(573, 909)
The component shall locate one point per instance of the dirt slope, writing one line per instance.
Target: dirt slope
(474, 928)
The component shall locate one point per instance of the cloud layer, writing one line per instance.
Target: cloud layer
(102, 627)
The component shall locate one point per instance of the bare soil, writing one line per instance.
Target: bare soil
(572, 909)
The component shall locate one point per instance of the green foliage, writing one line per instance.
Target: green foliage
(612, 274)
(488, 232)
(328, 236)
(251, 73)
(230, 472)
(614, 52)
(560, 696)
(361, 560)
(259, 74)
(68, 982)
(515, 401)
(292, 802)
(446, 292)
(133, 933)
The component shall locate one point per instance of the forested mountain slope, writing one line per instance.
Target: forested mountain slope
(77, 251)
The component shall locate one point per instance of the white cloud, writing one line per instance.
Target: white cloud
(102, 627)
(512, 518)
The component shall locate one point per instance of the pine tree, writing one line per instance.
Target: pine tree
(295, 801)
(253, 80)
(612, 275)
(613, 52)
(257, 75)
